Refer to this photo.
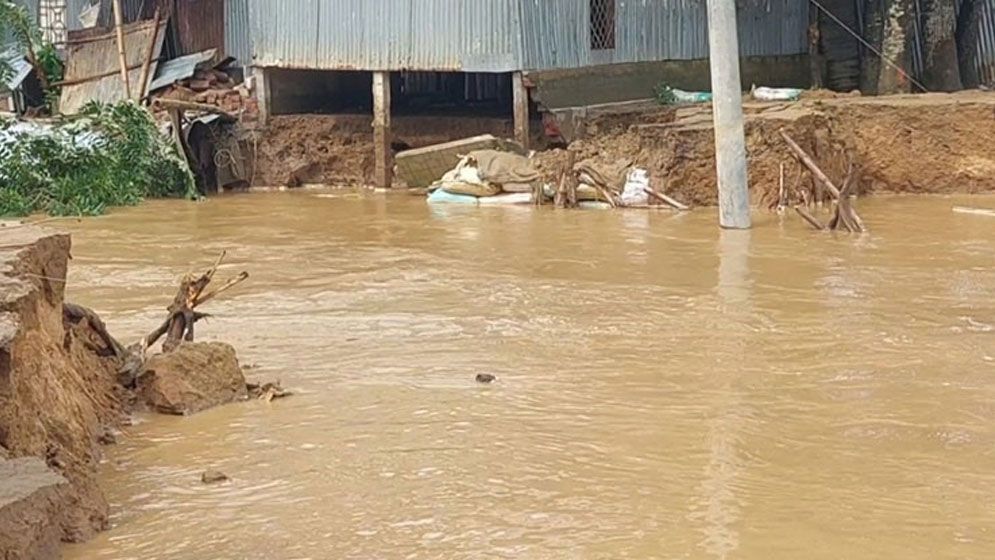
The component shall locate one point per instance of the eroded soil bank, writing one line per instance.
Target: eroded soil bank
(62, 396)
(58, 396)
(934, 143)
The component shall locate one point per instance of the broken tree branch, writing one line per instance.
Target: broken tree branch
(179, 325)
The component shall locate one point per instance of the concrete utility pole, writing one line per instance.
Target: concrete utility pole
(727, 107)
(383, 171)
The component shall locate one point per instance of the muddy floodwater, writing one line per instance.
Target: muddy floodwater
(664, 389)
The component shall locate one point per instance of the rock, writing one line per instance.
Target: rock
(213, 477)
(32, 499)
(485, 378)
(192, 378)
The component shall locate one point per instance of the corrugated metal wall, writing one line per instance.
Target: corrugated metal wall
(469, 35)
(502, 35)
(984, 58)
(556, 33)
(238, 36)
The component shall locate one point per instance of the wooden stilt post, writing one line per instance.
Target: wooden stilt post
(383, 173)
(520, 99)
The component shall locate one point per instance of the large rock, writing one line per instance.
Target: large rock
(192, 378)
(57, 385)
(32, 499)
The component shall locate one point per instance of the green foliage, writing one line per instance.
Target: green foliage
(664, 94)
(111, 155)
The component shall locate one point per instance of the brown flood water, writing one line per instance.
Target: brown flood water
(665, 390)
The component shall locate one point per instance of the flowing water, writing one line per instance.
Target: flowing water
(665, 390)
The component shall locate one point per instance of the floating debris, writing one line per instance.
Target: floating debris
(213, 477)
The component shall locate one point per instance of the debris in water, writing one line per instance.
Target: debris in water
(107, 438)
(844, 216)
(977, 211)
(213, 477)
(179, 325)
(485, 378)
(267, 392)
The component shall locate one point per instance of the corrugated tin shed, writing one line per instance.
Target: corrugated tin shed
(503, 35)
(386, 34)
(238, 37)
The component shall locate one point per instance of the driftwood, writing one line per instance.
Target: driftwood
(844, 216)
(669, 201)
(179, 325)
(808, 162)
(812, 220)
(566, 190)
(587, 174)
(267, 391)
(76, 314)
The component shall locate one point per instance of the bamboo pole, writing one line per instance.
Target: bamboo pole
(143, 81)
(122, 58)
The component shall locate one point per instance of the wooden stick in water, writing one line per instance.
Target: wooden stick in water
(667, 200)
(810, 164)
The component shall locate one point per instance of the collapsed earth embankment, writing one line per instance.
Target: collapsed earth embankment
(63, 394)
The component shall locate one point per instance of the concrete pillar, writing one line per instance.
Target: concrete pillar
(520, 100)
(263, 96)
(727, 108)
(383, 174)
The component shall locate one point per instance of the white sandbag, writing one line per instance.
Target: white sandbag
(636, 183)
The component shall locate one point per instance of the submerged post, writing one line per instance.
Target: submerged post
(727, 107)
(520, 100)
(383, 158)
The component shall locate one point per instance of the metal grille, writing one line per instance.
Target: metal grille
(602, 24)
(52, 20)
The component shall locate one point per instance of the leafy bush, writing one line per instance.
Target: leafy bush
(110, 155)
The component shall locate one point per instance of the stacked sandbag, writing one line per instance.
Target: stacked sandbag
(487, 177)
